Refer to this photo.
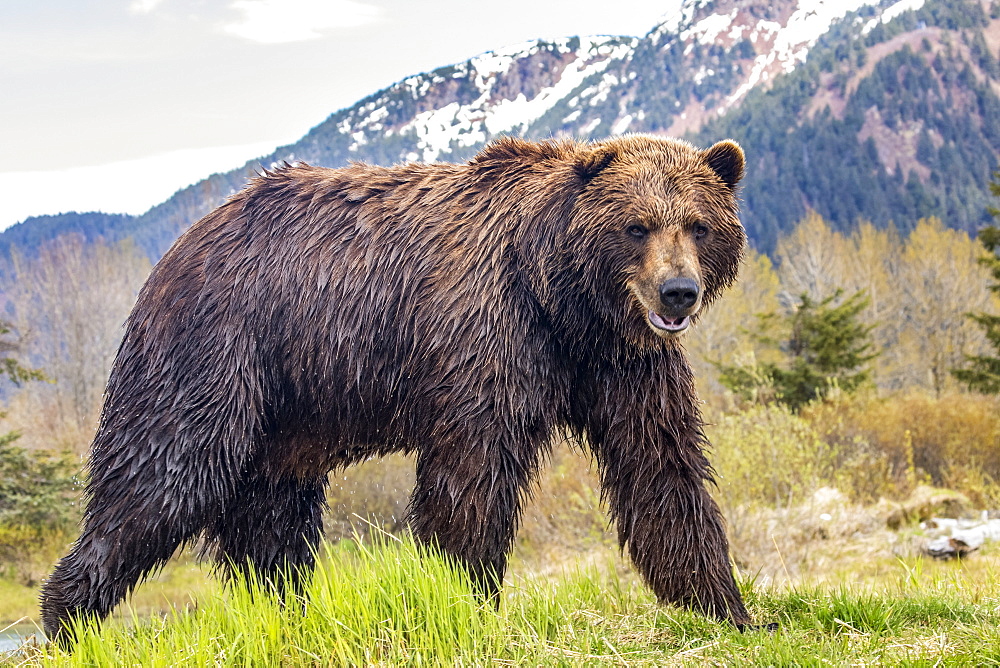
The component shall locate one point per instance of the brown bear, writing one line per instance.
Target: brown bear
(464, 313)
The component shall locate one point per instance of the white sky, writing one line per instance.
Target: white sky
(113, 105)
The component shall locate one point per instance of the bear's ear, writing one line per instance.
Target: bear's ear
(592, 161)
(726, 159)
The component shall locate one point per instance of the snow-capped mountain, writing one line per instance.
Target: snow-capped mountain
(886, 110)
(499, 92)
(595, 86)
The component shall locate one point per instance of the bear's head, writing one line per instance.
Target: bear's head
(630, 237)
(654, 232)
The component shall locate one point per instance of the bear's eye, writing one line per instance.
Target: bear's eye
(700, 231)
(637, 231)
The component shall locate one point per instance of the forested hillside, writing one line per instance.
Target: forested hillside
(860, 110)
(890, 126)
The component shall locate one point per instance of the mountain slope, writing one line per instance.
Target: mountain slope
(882, 110)
(889, 124)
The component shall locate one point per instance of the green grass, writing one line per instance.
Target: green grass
(19, 601)
(390, 603)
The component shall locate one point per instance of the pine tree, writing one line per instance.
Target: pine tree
(826, 347)
(983, 371)
(34, 485)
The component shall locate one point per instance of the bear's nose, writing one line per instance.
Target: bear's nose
(679, 294)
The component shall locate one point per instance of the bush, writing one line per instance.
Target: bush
(28, 552)
(768, 455)
(951, 441)
(563, 512)
(36, 487)
(865, 446)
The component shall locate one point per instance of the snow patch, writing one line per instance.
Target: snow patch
(682, 15)
(892, 12)
(456, 125)
(807, 24)
(359, 140)
(789, 43)
(702, 74)
(708, 29)
(621, 125)
(792, 42)
(603, 89)
(419, 85)
(764, 28)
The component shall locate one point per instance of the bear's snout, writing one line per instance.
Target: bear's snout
(679, 295)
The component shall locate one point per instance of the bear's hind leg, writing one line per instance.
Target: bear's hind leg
(272, 525)
(155, 483)
(118, 547)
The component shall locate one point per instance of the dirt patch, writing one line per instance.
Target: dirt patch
(897, 148)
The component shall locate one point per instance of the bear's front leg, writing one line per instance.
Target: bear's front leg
(646, 433)
(468, 496)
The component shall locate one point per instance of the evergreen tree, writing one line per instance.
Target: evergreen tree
(983, 372)
(825, 347)
(35, 489)
(34, 486)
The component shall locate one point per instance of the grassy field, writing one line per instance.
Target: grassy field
(824, 521)
(388, 603)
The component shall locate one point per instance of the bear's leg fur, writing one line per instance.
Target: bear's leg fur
(646, 433)
(156, 482)
(467, 501)
(272, 526)
(122, 541)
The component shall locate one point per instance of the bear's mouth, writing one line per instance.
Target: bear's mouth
(672, 325)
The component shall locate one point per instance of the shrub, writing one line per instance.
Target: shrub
(36, 487)
(952, 441)
(768, 455)
(563, 512)
(37, 512)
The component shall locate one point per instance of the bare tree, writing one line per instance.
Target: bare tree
(941, 281)
(70, 302)
(722, 334)
(812, 260)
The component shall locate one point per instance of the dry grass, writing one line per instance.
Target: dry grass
(562, 516)
(951, 441)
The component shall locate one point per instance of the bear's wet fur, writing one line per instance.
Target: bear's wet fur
(464, 313)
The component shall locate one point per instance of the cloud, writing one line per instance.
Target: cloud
(279, 21)
(143, 6)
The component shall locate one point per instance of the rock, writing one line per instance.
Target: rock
(957, 537)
